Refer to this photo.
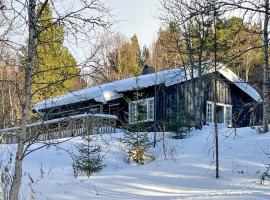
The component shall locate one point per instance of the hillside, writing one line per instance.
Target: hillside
(187, 172)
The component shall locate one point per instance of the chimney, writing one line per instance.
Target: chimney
(148, 69)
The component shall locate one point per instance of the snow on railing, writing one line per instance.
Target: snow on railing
(77, 125)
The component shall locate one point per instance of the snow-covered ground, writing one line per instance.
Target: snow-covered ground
(186, 172)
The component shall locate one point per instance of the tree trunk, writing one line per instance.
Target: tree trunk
(265, 69)
(16, 183)
(2, 125)
(11, 112)
(191, 64)
(215, 97)
(199, 108)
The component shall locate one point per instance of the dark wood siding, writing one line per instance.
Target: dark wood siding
(173, 98)
(227, 93)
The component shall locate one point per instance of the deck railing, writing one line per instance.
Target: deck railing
(73, 126)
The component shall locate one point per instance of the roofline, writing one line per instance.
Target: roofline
(227, 73)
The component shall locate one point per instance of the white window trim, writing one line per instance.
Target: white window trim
(136, 102)
(212, 109)
(225, 110)
(230, 115)
(95, 108)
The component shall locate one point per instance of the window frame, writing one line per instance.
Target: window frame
(94, 109)
(210, 114)
(225, 116)
(228, 118)
(133, 116)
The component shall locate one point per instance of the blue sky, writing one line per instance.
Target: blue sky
(136, 17)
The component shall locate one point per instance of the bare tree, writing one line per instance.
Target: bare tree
(110, 67)
(32, 40)
(266, 97)
(82, 21)
(192, 20)
(10, 88)
(257, 10)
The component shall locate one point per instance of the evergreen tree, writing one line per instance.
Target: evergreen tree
(88, 160)
(235, 37)
(125, 60)
(137, 143)
(135, 56)
(178, 122)
(56, 72)
(169, 49)
(145, 57)
(136, 136)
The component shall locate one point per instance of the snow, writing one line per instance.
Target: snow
(59, 120)
(105, 116)
(187, 172)
(227, 73)
(110, 91)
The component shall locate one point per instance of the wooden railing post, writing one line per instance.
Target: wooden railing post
(91, 125)
(1, 138)
(86, 125)
(59, 131)
(114, 125)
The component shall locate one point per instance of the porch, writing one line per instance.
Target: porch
(72, 126)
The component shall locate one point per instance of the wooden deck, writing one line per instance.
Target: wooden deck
(73, 126)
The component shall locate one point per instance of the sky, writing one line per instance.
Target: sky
(136, 17)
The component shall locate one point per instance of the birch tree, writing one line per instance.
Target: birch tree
(81, 21)
(32, 40)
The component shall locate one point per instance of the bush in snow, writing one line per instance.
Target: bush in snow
(177, 124)
(5, 177)
(137, 144)
(88, 159)
(266, 175)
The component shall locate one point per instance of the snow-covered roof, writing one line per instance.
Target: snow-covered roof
(110, 91)
(245, 87)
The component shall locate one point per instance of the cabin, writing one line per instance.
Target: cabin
(153, 99)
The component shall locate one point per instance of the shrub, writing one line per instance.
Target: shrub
(88, 159)
(137, 144)
(177, 124)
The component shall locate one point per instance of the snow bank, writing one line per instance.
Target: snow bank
(184, 170)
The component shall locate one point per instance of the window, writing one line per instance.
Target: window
(141, 110)
(94, 109)
(132, 112)
(210, 112)
(228, 115)
(220, 113)
(150, 109)
(223, 112)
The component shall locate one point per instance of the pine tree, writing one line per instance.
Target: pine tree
(145, 58)
(88, 160)
(137, 144)
(169, 49)
(56, 72)
(136, 138)
(125, 59)
(178, 122)
(135, 56)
